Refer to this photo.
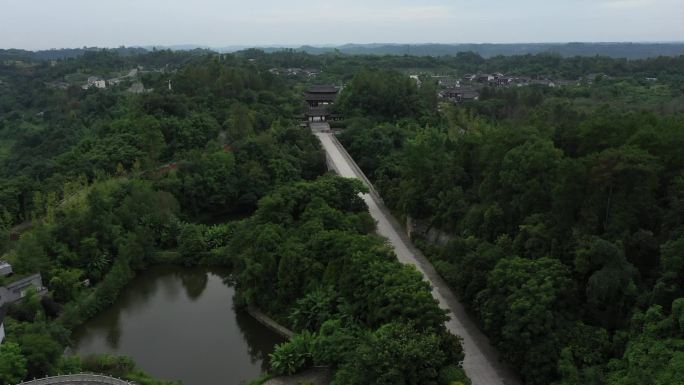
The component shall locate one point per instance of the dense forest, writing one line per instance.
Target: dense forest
(102, 183)
(556, 214)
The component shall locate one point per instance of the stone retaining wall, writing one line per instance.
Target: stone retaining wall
(269, 322)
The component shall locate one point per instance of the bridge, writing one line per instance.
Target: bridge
(78, 379)
(481, 363)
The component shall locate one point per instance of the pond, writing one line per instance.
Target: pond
(179, 323)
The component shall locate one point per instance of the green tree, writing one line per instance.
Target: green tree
(41, 351)
(65, 284)
(292, 274)
(380, 93)
(292, 356)
(31, 254)
(312, 310)
(525, 306)
(5, 226)
(394, 354)
(669, 285)
(241, 121)
(624, 182)
(191, 244)
(153, 145)
(13, 365)
(528, 175)
(610, 287)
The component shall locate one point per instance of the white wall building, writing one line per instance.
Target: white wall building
(5, 268)
(17, 289)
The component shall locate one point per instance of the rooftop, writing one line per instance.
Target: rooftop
(320, 97)
(322, 89)
(470, 94)
(18, 280)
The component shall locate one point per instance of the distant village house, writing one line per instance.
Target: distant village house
(94, 81)
(459, 95)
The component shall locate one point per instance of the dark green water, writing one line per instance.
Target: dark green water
(179, 323)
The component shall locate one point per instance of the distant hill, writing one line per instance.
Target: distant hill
(63, 53)
(614, 50)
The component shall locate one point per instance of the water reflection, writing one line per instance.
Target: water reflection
(194, 284)
(257, 347)
(114, 335)
(179, 323)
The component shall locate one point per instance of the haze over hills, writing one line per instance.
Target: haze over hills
(616, 50)
(611, 49)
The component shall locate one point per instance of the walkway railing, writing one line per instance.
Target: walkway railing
(269, 322)
(88, 378)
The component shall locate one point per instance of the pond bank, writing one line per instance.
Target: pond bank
(180, 323)
(269, 322)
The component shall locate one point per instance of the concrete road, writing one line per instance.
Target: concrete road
(481, 362)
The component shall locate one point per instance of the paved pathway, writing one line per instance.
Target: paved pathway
(481, 362)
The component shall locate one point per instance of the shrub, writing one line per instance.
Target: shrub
(293, 356)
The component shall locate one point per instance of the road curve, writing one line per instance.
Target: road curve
(481, 362)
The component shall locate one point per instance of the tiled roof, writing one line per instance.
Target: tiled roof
(320, 97)
(322, 89)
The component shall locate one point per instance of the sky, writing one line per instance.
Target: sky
(42, 24)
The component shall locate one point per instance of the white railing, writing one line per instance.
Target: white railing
(89, 378)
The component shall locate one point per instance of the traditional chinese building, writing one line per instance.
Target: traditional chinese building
(320, 98)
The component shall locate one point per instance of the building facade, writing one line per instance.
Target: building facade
(319, 98)
(17, 289)
(5, 268)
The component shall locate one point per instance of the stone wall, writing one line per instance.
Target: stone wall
(269, 322)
